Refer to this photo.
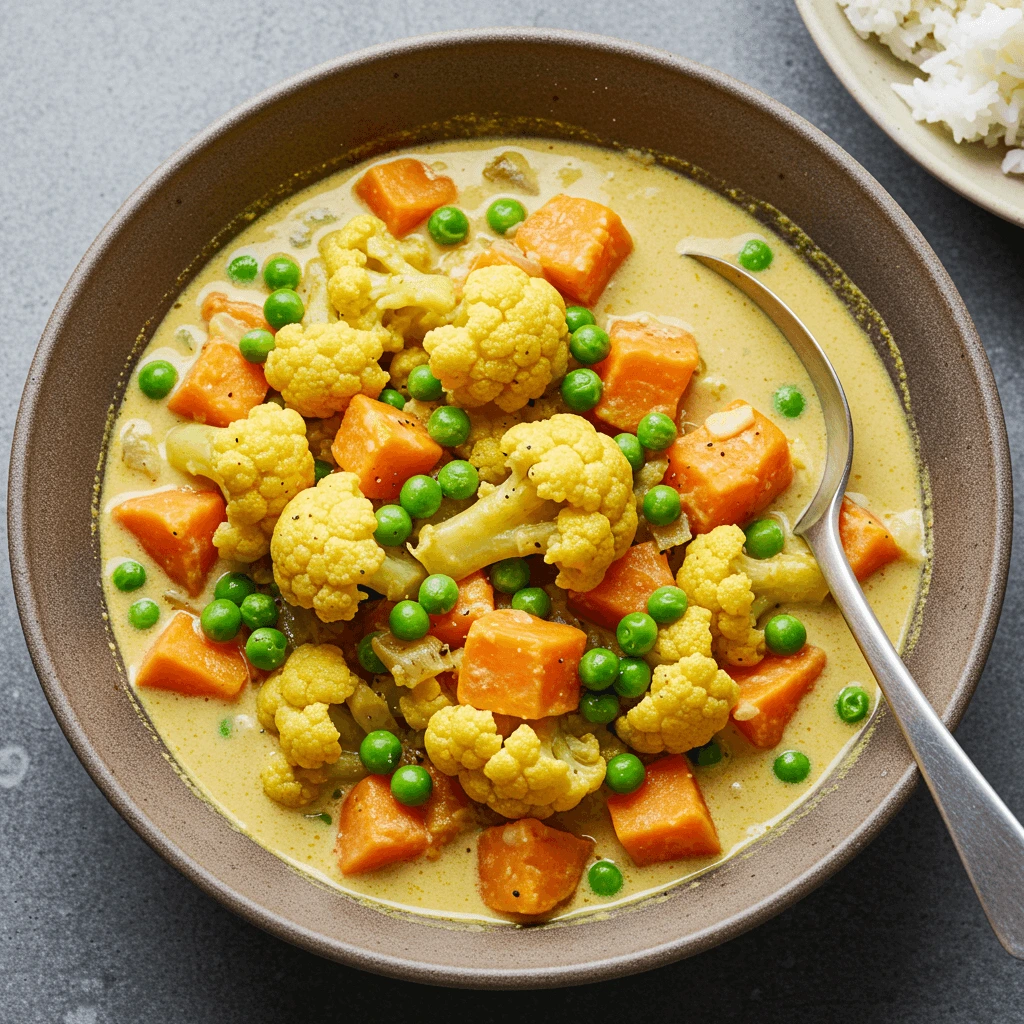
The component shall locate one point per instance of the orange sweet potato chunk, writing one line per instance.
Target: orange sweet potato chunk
(516, 664)
(627, 584)
(221, 386)
(476, 598)
(176, 530)
(404, 192)
(526, 867)
(383, 446)
(448, 811)
(729, 481)
(248, 312)
(666, 818)
(374, 829)
(775, 687)
(578, 242)
(184, 660)
(866, 541)
(647, 370)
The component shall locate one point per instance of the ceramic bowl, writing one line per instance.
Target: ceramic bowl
(545, 83)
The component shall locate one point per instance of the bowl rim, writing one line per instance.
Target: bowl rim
(395, 965)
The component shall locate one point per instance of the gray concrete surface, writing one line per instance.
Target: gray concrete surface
(94, 927)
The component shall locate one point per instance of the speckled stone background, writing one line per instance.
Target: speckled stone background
(94, 927)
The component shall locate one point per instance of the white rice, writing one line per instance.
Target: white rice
(972, 55)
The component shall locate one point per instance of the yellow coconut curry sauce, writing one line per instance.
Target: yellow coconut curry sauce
(221, 745)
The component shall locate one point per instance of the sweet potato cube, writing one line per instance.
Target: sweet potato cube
(383, 446)
(578, 242)
(404, 192)
(627, 584)
(647, 370)
(774, 687)
(247, 312)
(374, 829)
(176, 530)
(184, 660)
(526, 867)
(866, 541)
(221, 386)
(448, 811)
(723, 481)
(666, 818)
(519, 665)
(476, 598)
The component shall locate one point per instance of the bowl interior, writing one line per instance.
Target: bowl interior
(541, 83)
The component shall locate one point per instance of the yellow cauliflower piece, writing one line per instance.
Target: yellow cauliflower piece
(709, 578)
(307, 735)
(323, 547)
(260, 464)
(460, 737)
(689, 635)
(269, 699)
(316, 674)
(289, 786)
(375, 280)
(689, 701)
(422, 703)
(319, 368)
(403, 364)
(508, 340)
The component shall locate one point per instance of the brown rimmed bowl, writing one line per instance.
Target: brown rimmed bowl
(546, 83)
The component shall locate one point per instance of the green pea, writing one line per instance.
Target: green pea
(128, 575)
(504, 213)
(576, 317)
(389, 396)
(234, 587)
(709, 754)
(393, 525)
(765, 538)
(243, 269)
(267, 648)
(756, 255)
(143, 613)
(380, 752)
(412, 785)
(598, 668)
(439, 594)
(283, 307)
(449, 426)
(791, 766)
(625, 773)
(281, 272)
(784, 634)
(221, 620)
(630, 446)
(157, 378)
(852, 704)
(667, 605)
(421, 496)
(368, 656)
(604, 878)
(581, 390)
(634, 677)
(259, 611)
(448, 225)
(662, 505)
(510, 575)
(408, 620)
(656, 431)
(589, 344)
(534, 600)
(458, 479)
(423, 385)
(789, 401)
(600, 708)
(636, 633)
(321, 468)
(256, 345)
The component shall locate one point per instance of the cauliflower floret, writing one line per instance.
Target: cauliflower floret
(319, 368)
(424, 701)
(689, 635)
(403, 364)
(508, 340)
(791, 575)
(289, 786)
(461, 738)
(316, 674)
(689, 701)
(307, 735)
(570, 495)
(269, 699)
(377, 281)
(710, 580)
(260, 464)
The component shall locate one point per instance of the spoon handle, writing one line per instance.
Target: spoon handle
(988, 837)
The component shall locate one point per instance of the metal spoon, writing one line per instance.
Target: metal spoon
(988, 837)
